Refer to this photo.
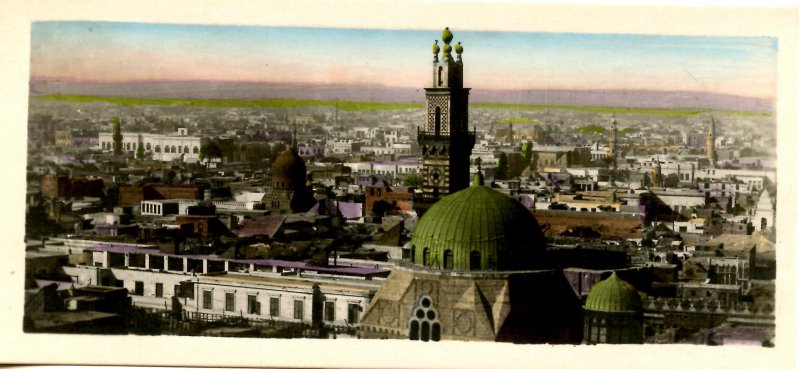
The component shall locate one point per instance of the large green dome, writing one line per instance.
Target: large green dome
(613, 295)
(477, 228)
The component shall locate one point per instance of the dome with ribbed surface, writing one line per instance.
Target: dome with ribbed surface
(613, 295)
(288, 170)
(477, 228)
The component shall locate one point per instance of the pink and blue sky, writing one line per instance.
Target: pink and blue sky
(119, 52)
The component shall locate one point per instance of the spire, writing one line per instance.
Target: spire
(477, 179)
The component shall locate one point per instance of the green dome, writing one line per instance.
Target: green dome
(459, 48)
(613, 295)
(447, 36)
(436, 46)
(477, 228)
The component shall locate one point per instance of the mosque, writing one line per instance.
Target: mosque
(478, 269)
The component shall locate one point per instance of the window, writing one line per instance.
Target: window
(274, 306)
(353, 313)
(448, 259)
(437, 120)
(208, 302)
(230, 301)
(330, 311)
(426, 256)
(474, 260)
(253, 306)
(159, 290)
(298, 309)
(424, 324)
(138, 288)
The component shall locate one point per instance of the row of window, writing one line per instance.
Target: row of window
(254, 306)
(447, 259)
(131, 146)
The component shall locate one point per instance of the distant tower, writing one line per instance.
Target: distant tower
(117, 136)
(612, 143)
(657, 177)
(445, 140)
(711, 137)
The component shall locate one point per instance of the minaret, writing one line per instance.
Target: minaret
(445, 139)
(117, 136)
(612, 142)
(711, 138)
(293, 144)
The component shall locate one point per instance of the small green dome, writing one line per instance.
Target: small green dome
(436, 46)
(447, 36)
(613, 295)
(478, 228)
(459, 48)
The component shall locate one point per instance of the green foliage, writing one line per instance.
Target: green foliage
(139, 152)
(592, 128)
(501, 172)
(663, 112)
(210, 150)
(371, 105)
(628, 130)
(527, 152)
(412, 180)
(233, 103)
(518, 121)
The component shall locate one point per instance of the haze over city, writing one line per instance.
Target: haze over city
(90, 52)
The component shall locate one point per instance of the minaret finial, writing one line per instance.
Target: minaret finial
(447, 36)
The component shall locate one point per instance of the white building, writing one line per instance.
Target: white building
(163, 147)
(254, 289)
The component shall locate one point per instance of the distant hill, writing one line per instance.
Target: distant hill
(253, 90)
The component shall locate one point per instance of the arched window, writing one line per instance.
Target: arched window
(195, 150)
(426, 256)
(448, 259)
(413, 333)
(440, 76)
(413, 249)
(474, 260)
(147, 147)
(437, 119)
(424, 322)
(186, 149)
(174, 149)
(158, 148)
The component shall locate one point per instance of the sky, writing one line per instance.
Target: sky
(119, 52)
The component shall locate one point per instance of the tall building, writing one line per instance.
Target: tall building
(711, 137)
(612, 143)
(117, 137)
(445, 139)
(475, 269)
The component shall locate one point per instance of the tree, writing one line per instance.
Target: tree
(139, 151)
(412, 180)
(210, 150)
(501, 172)
(527, 152)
